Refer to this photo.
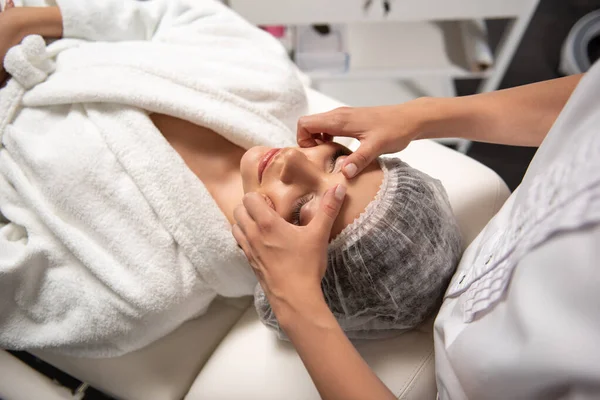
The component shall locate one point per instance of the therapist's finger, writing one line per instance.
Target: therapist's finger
(240, 238)
(260, 212)
(304, 137)
(330, 123)
(328, 210)
(243, 219)
(321, 138)
(359, 160)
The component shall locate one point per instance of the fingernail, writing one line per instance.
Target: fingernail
(340, 192)
(350, 170)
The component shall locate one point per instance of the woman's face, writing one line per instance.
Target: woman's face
(294, 180)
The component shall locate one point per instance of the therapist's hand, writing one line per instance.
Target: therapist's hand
(289, 260)
(384, 129)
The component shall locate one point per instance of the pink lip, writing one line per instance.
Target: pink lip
(265, 162)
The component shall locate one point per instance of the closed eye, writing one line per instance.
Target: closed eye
(339, 153)
(298, 208)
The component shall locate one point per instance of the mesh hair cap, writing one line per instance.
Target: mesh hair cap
(388, 270)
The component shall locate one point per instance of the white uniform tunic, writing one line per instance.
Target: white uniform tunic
(521, 318)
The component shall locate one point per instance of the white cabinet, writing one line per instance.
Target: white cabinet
(403, 50)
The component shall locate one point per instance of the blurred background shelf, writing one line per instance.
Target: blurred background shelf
(392, 50)
(298, 12)
(411, 39)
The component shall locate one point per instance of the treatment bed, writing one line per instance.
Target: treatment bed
(227, 354)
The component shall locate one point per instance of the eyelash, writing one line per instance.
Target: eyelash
(303, 200)
(339, 153)
(298, 208)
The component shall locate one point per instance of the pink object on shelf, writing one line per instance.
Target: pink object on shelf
(276, 30)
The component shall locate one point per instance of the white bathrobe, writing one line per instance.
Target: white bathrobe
(107, 240)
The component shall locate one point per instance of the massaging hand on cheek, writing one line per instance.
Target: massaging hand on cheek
(289, 260)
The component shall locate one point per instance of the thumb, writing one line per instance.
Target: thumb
(329, 209)
(357, 161)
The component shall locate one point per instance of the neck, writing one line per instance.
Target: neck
(213, 159)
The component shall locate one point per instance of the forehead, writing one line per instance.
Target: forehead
(360, 192)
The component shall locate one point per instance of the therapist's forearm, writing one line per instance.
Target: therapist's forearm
(520, 116)
(336, 368)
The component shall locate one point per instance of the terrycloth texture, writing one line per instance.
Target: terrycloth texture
(107, 240)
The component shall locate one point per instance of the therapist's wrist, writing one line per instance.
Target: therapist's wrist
(301, 310)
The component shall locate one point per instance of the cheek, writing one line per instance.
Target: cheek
(249, 168)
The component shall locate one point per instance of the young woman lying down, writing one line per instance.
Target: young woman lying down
(127, 144)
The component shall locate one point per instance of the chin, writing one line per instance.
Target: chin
(249, 167)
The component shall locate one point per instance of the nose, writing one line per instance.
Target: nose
(297, 168)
